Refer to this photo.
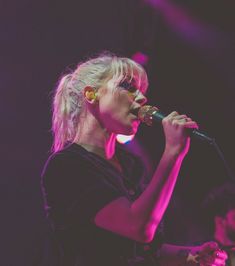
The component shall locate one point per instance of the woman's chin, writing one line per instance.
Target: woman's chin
(132, 131)
(128, 129)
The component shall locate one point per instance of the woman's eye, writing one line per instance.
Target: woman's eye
(127, 86)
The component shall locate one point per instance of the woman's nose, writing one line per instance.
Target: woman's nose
(140, 98)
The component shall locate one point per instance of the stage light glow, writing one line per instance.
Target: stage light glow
(124, 139)
(140, 58)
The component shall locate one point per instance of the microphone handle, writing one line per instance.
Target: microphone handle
(201, 135)
(158, 116)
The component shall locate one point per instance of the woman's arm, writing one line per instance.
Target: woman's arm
(140, 219)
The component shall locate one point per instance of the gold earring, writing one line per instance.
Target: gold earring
(90, 95)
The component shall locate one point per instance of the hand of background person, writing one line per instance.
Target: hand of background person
(211, 255)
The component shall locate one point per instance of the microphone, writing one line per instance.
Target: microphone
(149, 114)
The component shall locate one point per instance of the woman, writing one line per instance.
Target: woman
(92, 188)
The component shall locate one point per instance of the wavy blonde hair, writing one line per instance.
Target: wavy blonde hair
(68, 101)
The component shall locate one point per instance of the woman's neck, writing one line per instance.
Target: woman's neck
(96, 139)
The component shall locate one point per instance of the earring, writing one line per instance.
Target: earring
(90, 95)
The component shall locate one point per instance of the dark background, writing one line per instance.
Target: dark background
(190, 45)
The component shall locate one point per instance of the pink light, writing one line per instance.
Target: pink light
(140, 58)
(183, 23)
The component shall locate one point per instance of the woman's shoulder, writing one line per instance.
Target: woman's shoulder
(70, 153)
(65, 163)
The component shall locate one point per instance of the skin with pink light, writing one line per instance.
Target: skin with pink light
(225, 228)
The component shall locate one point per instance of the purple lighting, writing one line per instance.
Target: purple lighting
(140, 58)
(182, 23)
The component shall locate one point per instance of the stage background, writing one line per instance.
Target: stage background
(190, 46)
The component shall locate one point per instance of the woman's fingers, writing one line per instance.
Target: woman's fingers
(181, 120)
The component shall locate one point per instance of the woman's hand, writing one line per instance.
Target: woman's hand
(175, 128)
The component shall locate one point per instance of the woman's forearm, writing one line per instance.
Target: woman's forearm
(151, 205)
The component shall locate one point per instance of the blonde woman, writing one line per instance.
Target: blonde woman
(99, 213)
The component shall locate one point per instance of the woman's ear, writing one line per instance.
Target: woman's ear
(90, 94)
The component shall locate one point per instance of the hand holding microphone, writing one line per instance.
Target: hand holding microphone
(177, 139)
(151, 114)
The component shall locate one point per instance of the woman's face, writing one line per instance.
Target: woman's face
(115, 106)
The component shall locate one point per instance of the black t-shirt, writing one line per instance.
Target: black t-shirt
(76, 185)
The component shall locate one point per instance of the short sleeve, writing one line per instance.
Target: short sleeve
(75, 189)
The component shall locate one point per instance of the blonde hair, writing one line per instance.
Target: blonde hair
(68, 102)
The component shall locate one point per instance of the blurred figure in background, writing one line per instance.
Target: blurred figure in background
(220, 208)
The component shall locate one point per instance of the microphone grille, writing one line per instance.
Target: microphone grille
(145, 114)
